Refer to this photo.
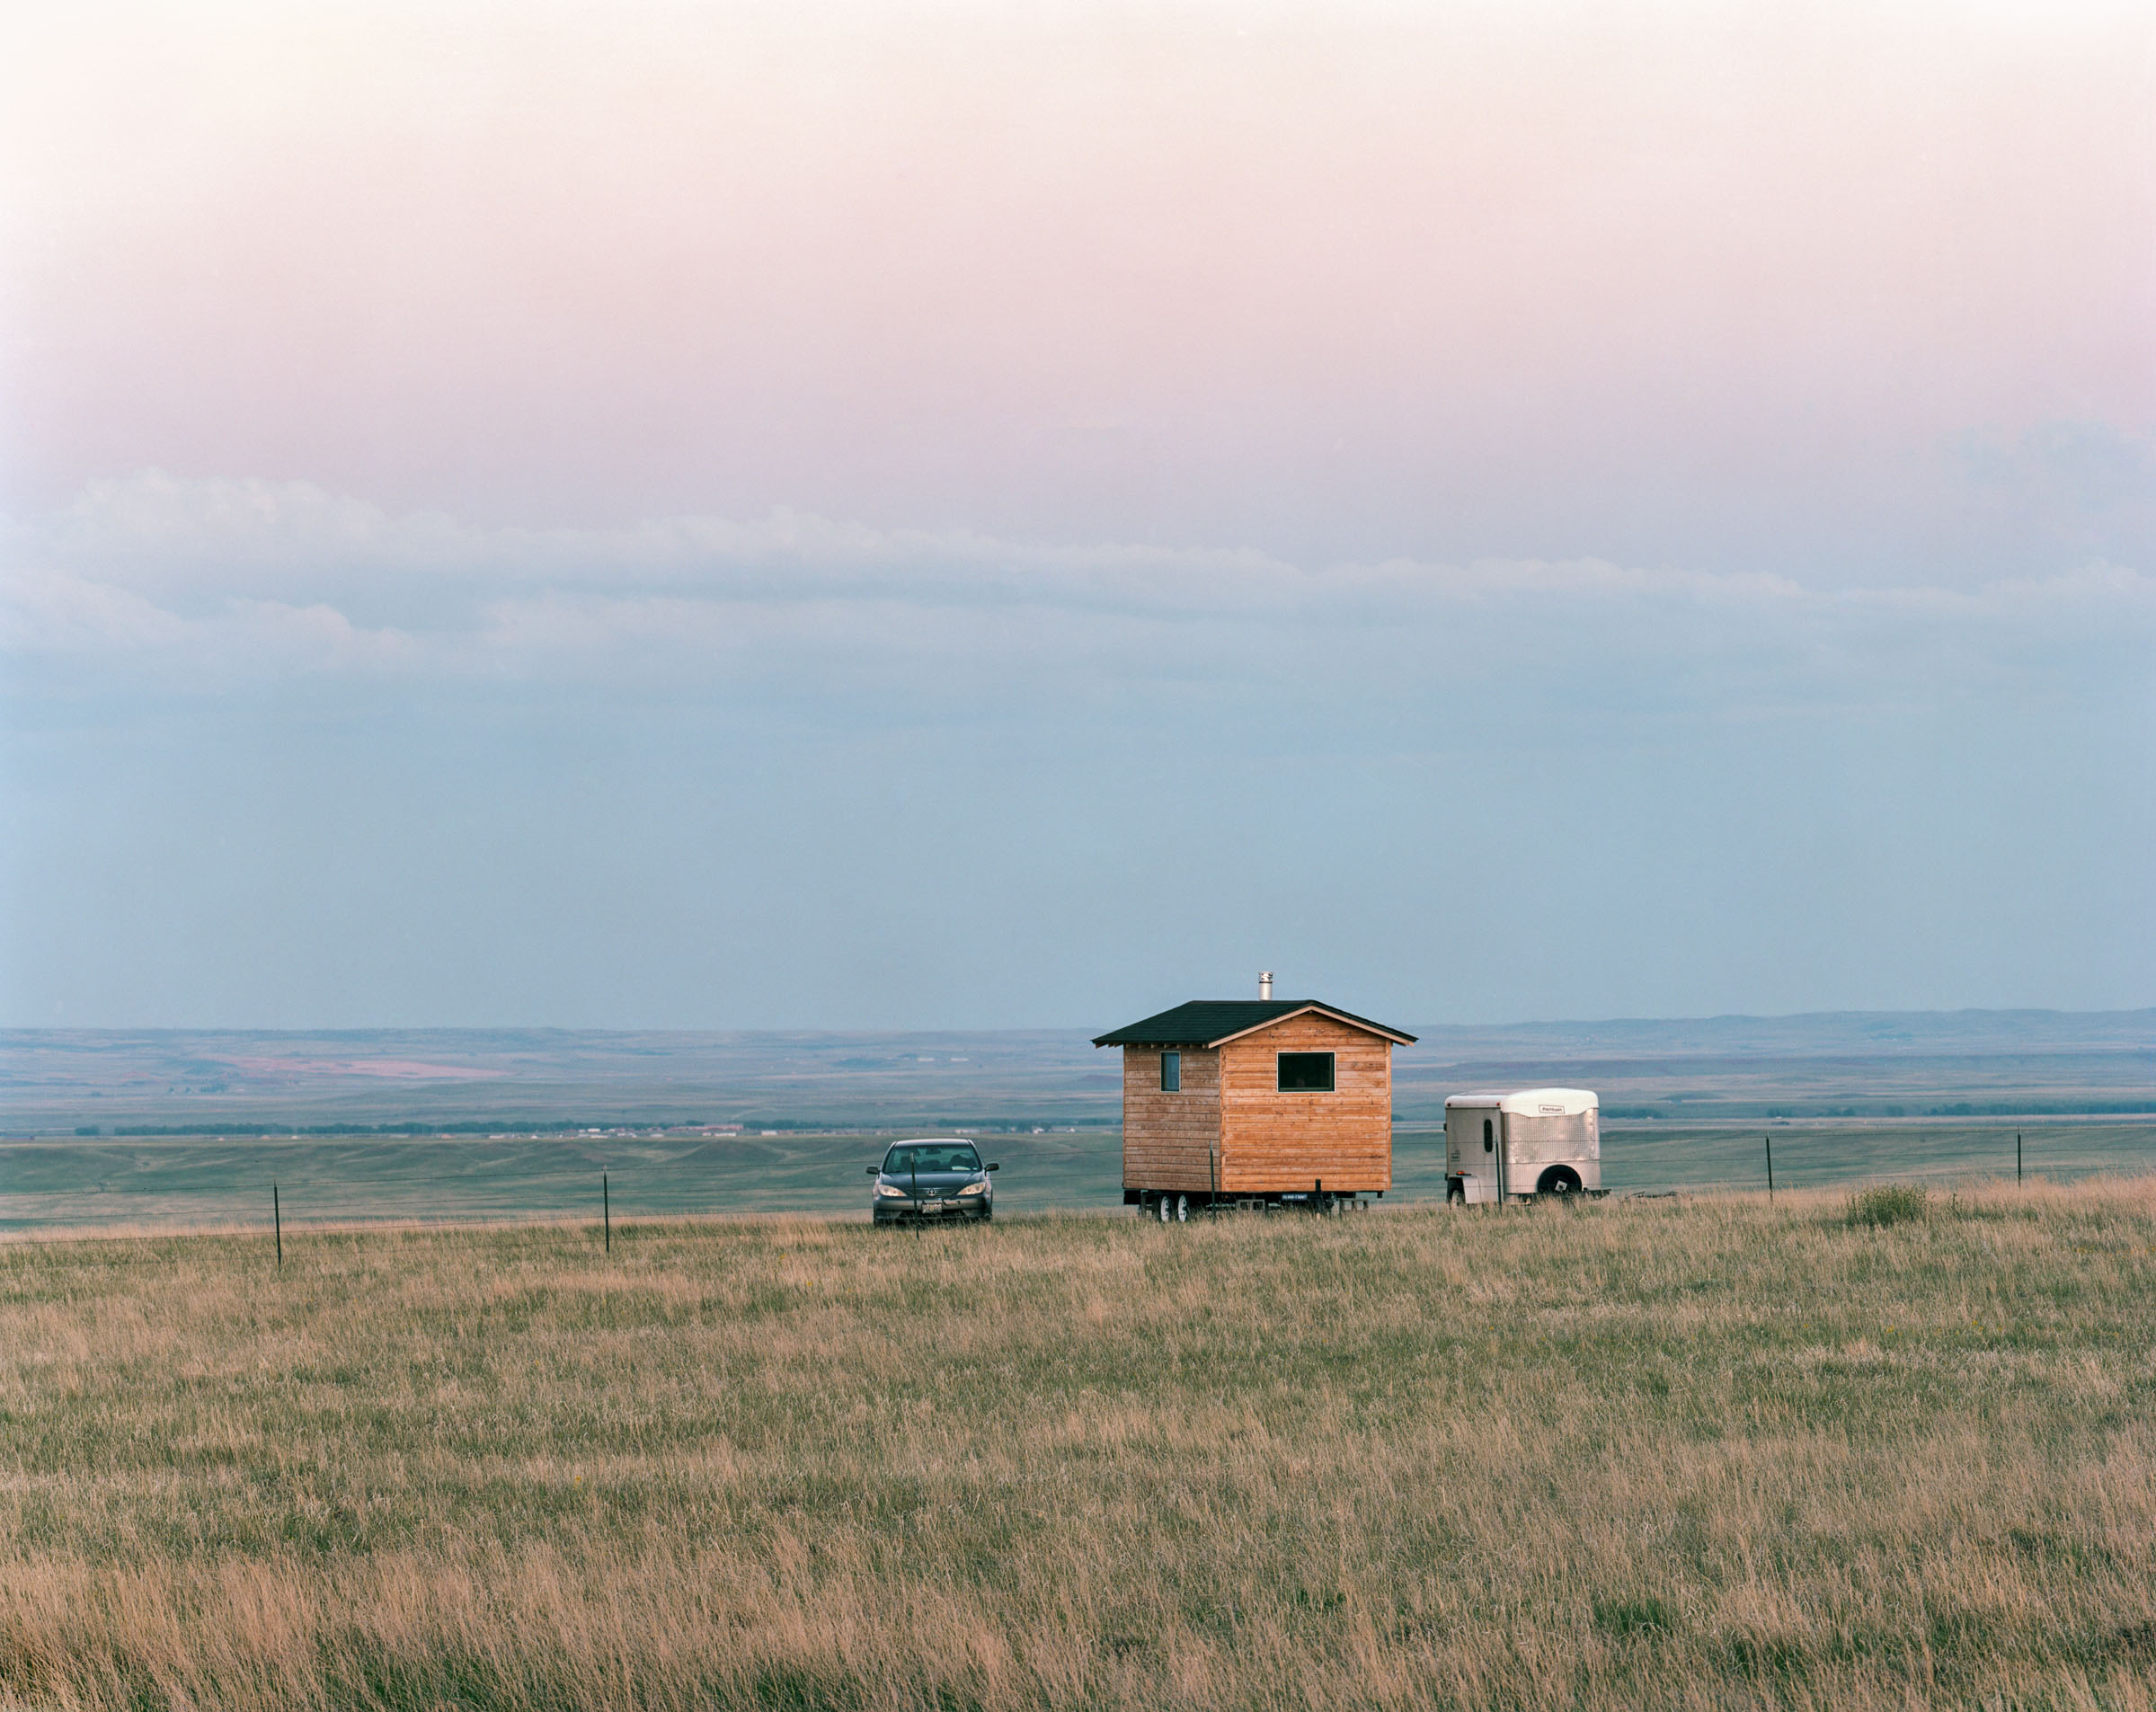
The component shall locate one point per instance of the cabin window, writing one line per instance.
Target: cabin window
(1306, 1072)
(1490, 1136)
(1171, 1072)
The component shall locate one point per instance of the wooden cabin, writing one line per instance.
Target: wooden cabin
(1264, 1100)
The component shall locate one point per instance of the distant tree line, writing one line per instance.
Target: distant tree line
(493, 1126)
(569, 1126)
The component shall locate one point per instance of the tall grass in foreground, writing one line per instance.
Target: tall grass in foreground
(1890, 1203)
(1696, 1454)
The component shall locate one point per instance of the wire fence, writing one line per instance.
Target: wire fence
(311, 1182)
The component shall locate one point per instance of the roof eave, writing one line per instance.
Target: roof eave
(1130, 1037)
(1377, 1029)
(1392, 1034)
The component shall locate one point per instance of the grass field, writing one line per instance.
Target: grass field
(1683, 1453)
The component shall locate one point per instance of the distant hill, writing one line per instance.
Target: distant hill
(1854, 1062)
(1813, 1034)
(1830, 1063)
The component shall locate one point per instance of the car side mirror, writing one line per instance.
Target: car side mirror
(995, 1167)
(875, 1170)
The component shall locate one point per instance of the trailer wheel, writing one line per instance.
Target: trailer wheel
(1162, 1207)
(1559, 1180)
(1183, 1209)
(1457, 1195)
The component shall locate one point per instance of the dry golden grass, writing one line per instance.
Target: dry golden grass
(1643, 1453)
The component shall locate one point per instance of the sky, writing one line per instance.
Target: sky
(916, 516)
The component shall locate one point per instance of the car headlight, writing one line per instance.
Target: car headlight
(979, 1188)
(890, 1188)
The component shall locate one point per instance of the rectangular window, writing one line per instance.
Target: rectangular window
(1171, 1072)
(1306, 1072)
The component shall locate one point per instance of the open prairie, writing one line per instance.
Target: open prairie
(1688, 1453)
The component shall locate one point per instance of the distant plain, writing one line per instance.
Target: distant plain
(450, 1124)
(1851, 1064)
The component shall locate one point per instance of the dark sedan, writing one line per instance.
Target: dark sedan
(932, 1179)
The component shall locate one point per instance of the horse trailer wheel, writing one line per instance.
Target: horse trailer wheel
(1183, 1209)
(1456, 1196)
(1559, 1180)
(1165, 1210)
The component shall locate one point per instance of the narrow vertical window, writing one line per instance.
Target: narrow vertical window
(1489, 1137)
(1171, 1072)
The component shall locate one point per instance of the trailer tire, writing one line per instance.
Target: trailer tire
(1457, 1195)
(1559, 1180)
(1183, 1209)
(1161, 1207)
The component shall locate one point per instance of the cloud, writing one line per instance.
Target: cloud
(2079, 487)
(45, 611)
(191, 587)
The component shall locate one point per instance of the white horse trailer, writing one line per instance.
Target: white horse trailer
(1515, 1147)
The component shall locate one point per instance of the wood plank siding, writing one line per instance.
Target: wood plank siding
(1272, 1142)
(1168, 1138)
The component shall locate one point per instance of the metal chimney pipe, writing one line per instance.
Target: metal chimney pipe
(1265, 983)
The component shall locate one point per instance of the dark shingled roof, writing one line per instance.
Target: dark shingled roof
(1207, 1021)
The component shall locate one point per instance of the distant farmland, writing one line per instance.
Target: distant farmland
(1641, 1453)
(1967, 1065)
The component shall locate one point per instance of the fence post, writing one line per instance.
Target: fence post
(277, 1218)
(2017, 1156)
(1770, 1141)
(606, 1209)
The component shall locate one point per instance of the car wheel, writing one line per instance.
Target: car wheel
(1164, 1209)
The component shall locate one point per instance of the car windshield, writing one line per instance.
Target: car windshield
(931, 1156)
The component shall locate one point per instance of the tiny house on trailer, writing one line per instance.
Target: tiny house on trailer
(1515, 1147)
(1254, 1103)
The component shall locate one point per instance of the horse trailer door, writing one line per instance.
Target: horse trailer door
(1472, 1157)
(1485, 1149)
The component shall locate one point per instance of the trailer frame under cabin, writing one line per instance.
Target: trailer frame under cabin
(1256, 1103)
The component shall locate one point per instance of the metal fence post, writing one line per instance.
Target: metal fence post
(277, 1218)
(606, 1209)
(1770, 1141)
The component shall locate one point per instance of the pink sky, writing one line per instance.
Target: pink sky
(1663, 283)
